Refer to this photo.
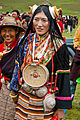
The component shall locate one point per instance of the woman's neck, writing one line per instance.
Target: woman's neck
(42, 37)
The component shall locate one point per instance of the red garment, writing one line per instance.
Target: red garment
(17, 19)
(54, 118)
(64, 39)
(61, 25)
(12, 45)
(2, 49)
(0, 78)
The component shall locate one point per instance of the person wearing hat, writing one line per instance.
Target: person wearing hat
(42, 78)
(10, 32)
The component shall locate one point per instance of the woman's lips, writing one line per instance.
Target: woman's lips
(39, 29)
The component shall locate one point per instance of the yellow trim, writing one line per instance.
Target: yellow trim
(13, 96)
(56, 12)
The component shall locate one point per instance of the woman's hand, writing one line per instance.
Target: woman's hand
(59, 113)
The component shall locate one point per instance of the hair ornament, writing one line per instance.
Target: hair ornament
(54, 11)
(33, 8)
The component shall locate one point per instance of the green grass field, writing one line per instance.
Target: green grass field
(74, 113)
(69, 7)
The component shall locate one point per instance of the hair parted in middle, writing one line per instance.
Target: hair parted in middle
(53, 28)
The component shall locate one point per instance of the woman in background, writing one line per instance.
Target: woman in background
(10, 32)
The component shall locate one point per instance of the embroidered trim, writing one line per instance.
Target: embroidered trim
(63, 71)
(64, 98)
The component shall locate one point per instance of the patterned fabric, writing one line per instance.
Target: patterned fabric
(47, 57)
(7, 107)
(30, 107)
(7, 63)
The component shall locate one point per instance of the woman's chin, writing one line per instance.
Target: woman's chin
(8, 40)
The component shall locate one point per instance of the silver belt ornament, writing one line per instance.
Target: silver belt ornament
(35, 75)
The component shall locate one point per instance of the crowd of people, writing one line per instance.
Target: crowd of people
(69, 22)
(21, 18)
(34, 65)
(66, 22)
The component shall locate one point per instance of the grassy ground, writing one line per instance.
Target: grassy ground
(68, 6)
(71, 35)
(74, 113)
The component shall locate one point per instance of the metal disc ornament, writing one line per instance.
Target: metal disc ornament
(35, 75)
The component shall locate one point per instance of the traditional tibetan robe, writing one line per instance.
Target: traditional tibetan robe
(7, 63)
(32, 101)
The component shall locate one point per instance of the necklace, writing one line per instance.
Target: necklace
(43, 48)
(10, 45)
(34, 71)
(7, 46)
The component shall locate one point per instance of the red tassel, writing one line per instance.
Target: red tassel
(54, 118)
(19, 77)
(0, 78)
(0, 85)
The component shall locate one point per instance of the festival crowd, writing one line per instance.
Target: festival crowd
(66, 22)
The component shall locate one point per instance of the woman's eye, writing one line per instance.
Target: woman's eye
(3, 30)
(44, 20)
(36, 19)
(10, 30)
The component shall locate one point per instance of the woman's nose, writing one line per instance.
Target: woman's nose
(7, 32)
(40, 23)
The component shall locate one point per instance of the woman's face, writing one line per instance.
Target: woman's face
(8, 34)
(14, 14)
(41, 23)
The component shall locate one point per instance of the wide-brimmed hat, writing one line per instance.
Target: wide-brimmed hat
(10, 21)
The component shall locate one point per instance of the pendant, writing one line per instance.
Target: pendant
(39, 56)
(7, 48)
(35, 75)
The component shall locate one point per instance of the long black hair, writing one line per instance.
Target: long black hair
(53, 29)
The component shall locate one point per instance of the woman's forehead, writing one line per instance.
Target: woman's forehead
(41, 14)
(6, 27)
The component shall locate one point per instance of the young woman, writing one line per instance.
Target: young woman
(10, 32)
(44, 91)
